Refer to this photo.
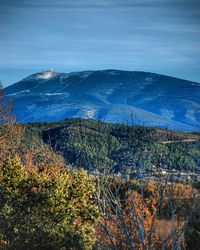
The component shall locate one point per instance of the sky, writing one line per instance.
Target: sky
(160, 36)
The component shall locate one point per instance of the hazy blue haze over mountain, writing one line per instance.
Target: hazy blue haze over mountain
(110, 95)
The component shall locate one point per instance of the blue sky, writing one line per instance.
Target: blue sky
(161, 36)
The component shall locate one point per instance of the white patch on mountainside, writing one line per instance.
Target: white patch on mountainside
(196, 84)
(149, 80)
(166, 113)
(113, 72)
(46, 75)
(41, 75)
(90, 113)
(192, 110)
(102, 94)
(56, 93)
(49, 112)
(82, 75)
(20, 92)
(190, 115)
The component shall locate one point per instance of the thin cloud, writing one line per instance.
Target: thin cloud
(152, 35)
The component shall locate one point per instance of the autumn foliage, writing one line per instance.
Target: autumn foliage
(145, 216)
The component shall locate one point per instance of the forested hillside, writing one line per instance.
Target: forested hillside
(89, 144)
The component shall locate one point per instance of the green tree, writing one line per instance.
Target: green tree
(45, 208)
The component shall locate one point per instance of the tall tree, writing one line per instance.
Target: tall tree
(9, 135)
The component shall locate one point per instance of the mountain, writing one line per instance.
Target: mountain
(110, 95)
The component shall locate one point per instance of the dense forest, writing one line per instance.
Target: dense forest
(85, 143)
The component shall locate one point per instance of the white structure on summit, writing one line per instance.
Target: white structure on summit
(46, 74)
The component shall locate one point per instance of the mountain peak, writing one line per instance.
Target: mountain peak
(114, 95)
(47, 74)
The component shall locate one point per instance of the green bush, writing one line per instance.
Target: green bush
(45, 208)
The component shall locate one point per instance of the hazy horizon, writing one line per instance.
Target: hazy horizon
(148, 35)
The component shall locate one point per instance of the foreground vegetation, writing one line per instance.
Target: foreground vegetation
(48, 202)
(51, 207)
(45, 208)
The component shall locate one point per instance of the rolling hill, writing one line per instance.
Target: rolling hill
(93, 144)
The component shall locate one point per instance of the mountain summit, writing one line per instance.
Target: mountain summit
(111, 95)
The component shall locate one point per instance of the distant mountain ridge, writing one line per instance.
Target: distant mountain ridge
(116, 96)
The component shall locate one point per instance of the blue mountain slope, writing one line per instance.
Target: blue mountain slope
(110, 95)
